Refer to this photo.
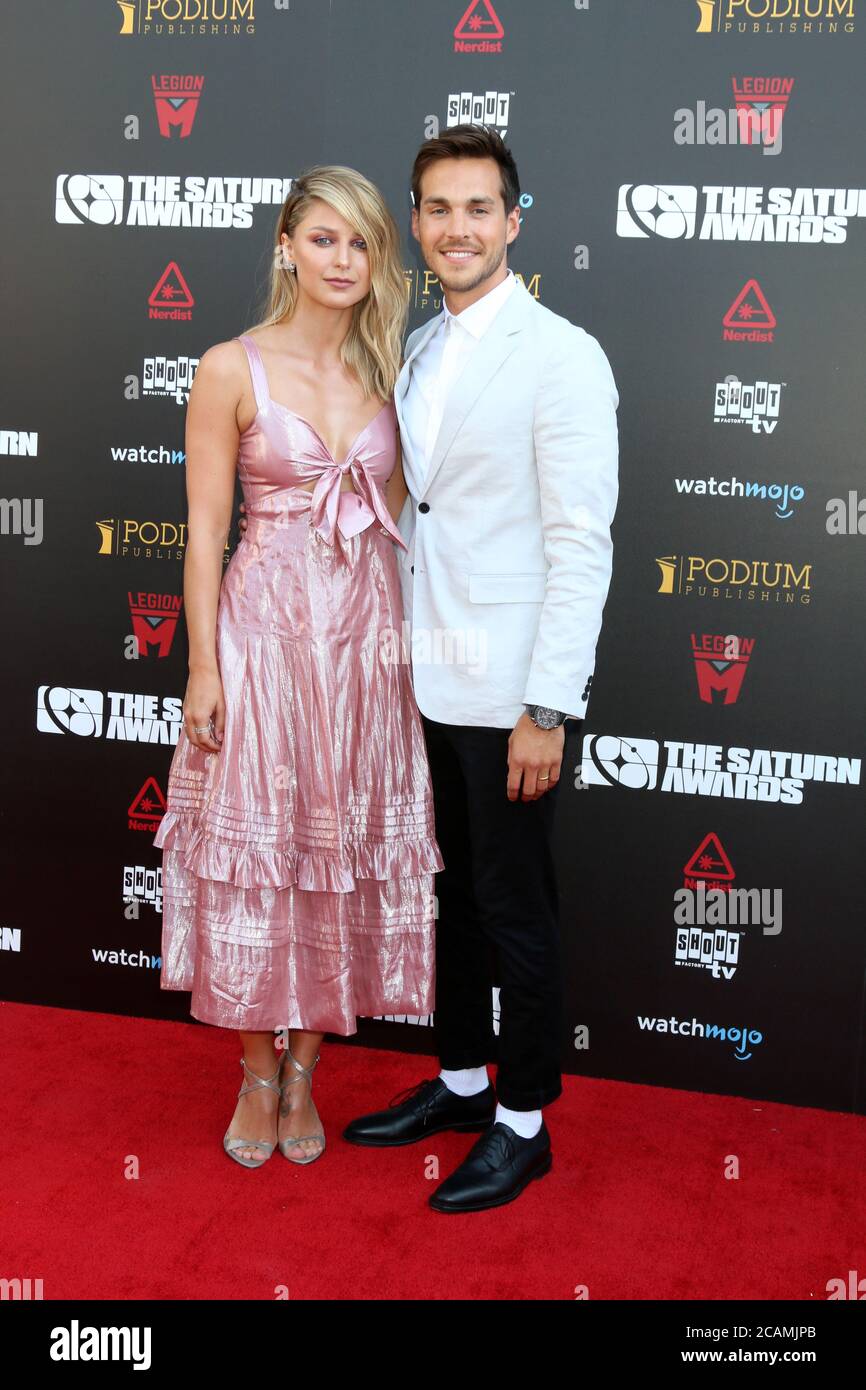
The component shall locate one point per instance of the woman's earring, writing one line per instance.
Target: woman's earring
(284, 258)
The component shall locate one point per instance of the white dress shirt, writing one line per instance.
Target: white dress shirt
(438, 364)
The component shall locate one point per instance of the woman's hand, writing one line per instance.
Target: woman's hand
(204, 705)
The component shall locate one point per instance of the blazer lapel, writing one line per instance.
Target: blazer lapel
(494, 348)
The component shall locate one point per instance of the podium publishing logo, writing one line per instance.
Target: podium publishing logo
(747, 581)
(479, 30)
(187, 18)
(720, 665)
(176, 100)
(811, 17)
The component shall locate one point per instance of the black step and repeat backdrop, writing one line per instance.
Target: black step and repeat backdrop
(690, 175)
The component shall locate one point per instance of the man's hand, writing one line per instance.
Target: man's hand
(535, 756)
(242, 522)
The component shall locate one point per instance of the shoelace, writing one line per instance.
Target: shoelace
(411, 1092)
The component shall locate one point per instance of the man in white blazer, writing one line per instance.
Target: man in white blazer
(509, 438)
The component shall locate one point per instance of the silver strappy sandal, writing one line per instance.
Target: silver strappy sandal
(236, 1142)
(291, 1140)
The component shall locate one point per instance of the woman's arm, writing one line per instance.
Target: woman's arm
(211, 462)
(396, 490)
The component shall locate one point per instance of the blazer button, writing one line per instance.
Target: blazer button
(423, 506)
(413, 569)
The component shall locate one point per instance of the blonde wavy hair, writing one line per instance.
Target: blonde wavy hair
(373, 347)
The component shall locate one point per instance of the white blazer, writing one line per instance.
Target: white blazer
(509, 548)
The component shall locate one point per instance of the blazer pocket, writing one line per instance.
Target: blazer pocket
(507, 588)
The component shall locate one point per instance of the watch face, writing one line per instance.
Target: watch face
(547, 718)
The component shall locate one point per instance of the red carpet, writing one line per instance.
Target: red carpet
(636, 1206)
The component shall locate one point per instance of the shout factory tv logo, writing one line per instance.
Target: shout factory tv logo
(750, 318)
(164, 200)
(810, 17)
(756, 405)
(154, 621)
(170, 297)
(176, 100)
(484, 108)
(143, 886)
(169, 377)
(763, 581)
(720, 665)
(754, 119)
(716, 212)
(187, 18)
(709, 769)
(479, 30)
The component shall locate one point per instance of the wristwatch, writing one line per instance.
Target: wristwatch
(545, 718)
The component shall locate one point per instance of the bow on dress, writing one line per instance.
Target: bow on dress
(338, 516)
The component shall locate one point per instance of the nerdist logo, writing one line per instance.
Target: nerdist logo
(170, 297)
(187, 18)
(479, 108)
(154, 621)
(165, 200)
(784, 495)
(63, 709)
(716, 212)
(709, 865)
(750, 318)
(754, 119)
(757, 405)
(720, 664)
(709, 769)
(147, 807)
(755, 581)
(479, 30)
(812, 17)
(176, 100)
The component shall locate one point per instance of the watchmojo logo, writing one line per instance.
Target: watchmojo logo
(810, 17)
(187, 18)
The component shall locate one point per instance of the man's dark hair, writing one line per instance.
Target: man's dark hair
(469, 142)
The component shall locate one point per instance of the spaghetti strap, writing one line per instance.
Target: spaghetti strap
(257, 371)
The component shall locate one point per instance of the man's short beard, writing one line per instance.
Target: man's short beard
(484, 274)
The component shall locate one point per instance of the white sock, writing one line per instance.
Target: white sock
(467, 1082)
(526, 1123)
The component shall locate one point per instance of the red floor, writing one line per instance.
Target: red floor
(636, 1206)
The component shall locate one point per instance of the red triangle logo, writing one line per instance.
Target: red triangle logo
(750, 309)
(171, 290)
(479, 26)
(710, 861)
(149, 803)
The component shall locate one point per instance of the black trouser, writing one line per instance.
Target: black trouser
(498, 921)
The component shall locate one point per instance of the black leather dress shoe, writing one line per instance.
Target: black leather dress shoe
(495, 1171)
(420, 1110)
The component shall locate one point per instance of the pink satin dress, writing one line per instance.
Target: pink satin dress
(298, 861)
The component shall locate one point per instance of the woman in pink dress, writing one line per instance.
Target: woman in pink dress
(298, 841)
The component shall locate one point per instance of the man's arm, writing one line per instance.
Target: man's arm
(576, 450)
